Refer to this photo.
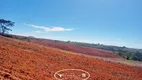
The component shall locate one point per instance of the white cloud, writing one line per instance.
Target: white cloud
(39, 32)
(52, 28)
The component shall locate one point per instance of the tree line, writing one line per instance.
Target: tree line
(127, 53)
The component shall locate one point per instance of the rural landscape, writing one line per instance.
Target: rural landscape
(71, 40)
(30, 58)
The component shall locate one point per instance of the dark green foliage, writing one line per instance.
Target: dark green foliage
(68, 41)
(5, 26)
(127, 53)
(137, 56)
(7, 35)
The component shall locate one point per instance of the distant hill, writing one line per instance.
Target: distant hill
(127, 53)
(67, 46)
(87, 48)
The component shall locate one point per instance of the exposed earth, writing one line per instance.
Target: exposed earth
(21, 60)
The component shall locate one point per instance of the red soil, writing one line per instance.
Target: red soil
(70, 47)
(21, 60)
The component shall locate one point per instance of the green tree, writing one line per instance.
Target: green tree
(137, 56)
(5, 26)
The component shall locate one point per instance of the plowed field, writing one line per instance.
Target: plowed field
(21, 60)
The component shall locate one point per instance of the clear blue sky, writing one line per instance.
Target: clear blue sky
(111, 22)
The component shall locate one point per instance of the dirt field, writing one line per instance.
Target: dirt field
(69, 47)
(21, 60)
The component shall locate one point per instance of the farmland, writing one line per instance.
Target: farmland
(69, 47)
(21, 60)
